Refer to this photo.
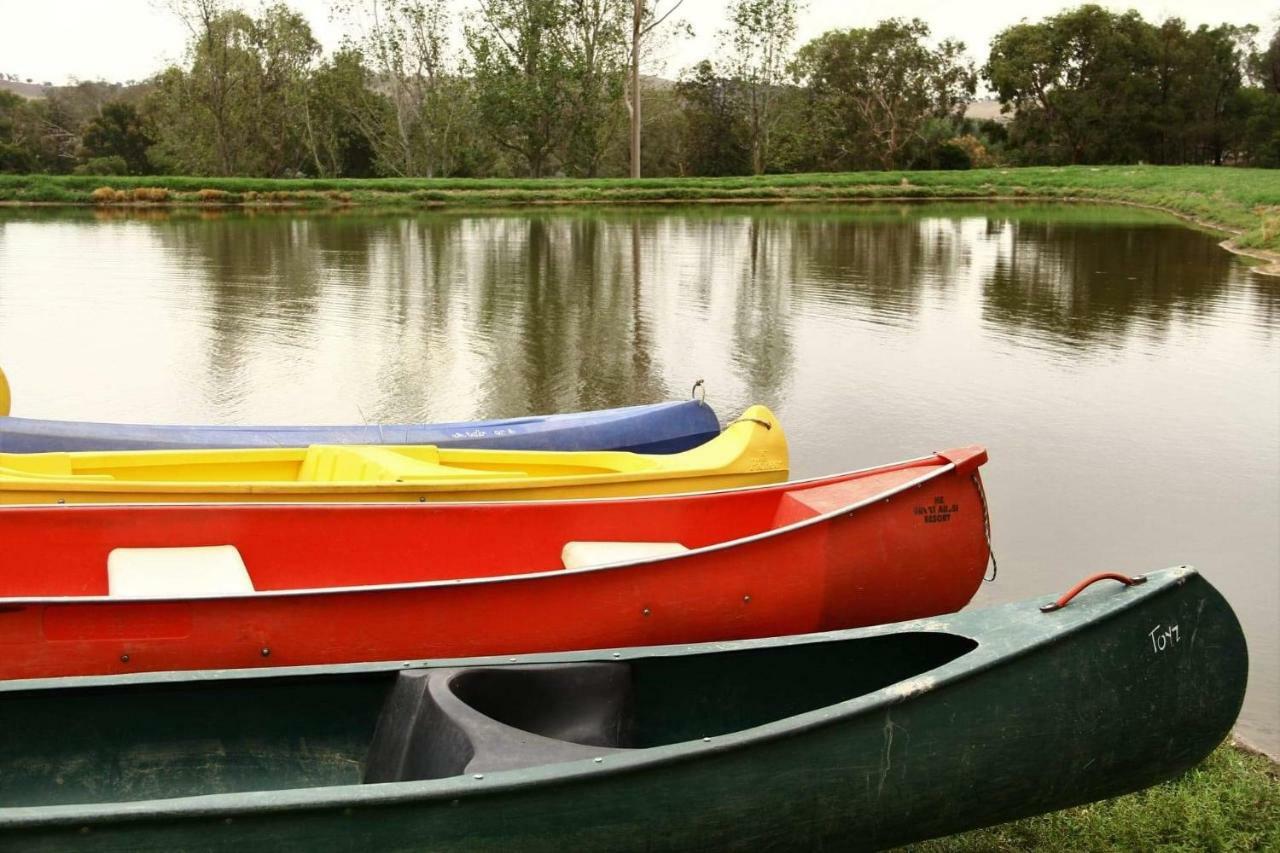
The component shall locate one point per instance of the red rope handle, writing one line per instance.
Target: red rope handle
(1089, 581)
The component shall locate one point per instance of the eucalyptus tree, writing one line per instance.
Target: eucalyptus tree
(118, 131)
(716, 136)
(203, 106)
(235, 109)
(347, 122)
(1266, 64)
(756, 45)
(405, 45)
(874, 91)
(1093, 86)
(647, 16)
(520, 69)
(1081, 83)
(26, 144)
(596, 47)
(284, 52)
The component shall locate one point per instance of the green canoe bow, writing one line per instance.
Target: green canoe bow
(858, 739)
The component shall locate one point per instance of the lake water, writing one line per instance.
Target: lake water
(1123, 370)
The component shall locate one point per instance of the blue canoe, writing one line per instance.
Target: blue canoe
(658, 428)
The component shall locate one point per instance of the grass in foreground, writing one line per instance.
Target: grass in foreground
(1245, 202)
(1231, 802)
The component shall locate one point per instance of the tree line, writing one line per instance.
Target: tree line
(553, 87)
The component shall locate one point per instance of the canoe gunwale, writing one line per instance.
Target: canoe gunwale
(822, 518)
(1099, 605)
(783, 486)
(607, 429)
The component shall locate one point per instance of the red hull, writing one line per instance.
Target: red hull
(883, 545)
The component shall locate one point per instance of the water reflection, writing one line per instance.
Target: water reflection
(1085, 286)
(1123, 369)
(441, 313)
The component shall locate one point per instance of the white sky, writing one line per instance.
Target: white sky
(57, 40)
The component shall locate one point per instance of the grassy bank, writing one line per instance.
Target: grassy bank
(1231, 802)
(1242, 202)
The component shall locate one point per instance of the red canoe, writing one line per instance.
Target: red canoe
(109, 589)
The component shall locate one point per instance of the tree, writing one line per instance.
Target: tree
(284, 51)
(646, 18)
(716, 137)
(1215, 75)
(118, 131)
(596, 51)
(1092, 86)
(17, 148)
(218, 46)
(344, 119)
(759, 34)
(239, 107)
(1264, 65)
(405, 44)
(34, 135)
(521, 71)
(873, 91)
(1257, 108)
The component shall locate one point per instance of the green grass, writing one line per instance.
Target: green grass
(1244, 202)
(1231, 802)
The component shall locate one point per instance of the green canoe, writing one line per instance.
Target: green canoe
(852, 740)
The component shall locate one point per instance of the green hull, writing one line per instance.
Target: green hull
(852, 740)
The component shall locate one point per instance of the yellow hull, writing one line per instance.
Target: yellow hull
(751, 451)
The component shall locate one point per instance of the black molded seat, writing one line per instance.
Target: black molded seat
(446, 722)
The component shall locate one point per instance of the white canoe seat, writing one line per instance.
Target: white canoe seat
(176, 572)
(579, 555)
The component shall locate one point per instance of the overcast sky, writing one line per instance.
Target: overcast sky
(58, 40)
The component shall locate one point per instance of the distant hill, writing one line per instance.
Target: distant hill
(987, 109)
(26, 90)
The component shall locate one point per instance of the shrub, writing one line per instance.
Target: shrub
(979, 156)
(156, 194)
(107, 195)
(14, 158)
(951, 155)
(212, 195)
(112, 165)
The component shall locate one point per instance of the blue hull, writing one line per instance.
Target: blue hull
(659, 428)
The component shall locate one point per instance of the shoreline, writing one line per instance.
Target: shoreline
(1237, 742)
(1243, 204)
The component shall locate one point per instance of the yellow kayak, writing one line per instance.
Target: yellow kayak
(750, 451)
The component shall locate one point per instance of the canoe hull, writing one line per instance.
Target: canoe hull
(750, 451)
(1042, 721)
(660, 428)
(864, 556)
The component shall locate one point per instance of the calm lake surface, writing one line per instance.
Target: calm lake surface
(1123, 370)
